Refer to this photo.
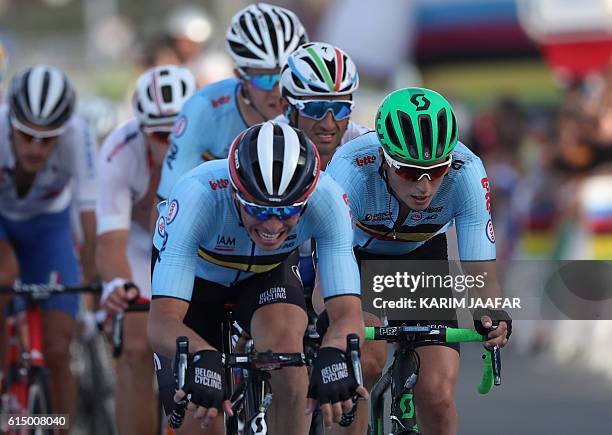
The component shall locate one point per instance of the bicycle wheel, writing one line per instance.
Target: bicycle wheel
(39, 400)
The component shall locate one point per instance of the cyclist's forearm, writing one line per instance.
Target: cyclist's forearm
(111, 259)
(88, 249)
(164, 331)
(487, 272)
(345, 317)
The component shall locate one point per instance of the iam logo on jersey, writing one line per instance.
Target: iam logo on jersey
(179, 126)
(172, 211)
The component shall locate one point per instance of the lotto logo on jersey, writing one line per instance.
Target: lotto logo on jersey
(220, 101)
(485, 185)
(172, 211)
(221, 183)
(365, 160)
(179, 126)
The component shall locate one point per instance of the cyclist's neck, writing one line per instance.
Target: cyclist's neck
(250, 114)
(23, 180)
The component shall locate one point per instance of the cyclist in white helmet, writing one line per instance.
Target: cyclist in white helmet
(44, 151)
(129, 165)
(259, 39)
(317, 86)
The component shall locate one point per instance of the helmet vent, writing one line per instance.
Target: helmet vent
(426, 136)
(166, 94)
(454, 129)
(391, 132)
(408, 134)
(313, 67)
(272, 33)
(442, 127)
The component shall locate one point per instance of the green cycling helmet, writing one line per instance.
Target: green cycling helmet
(416, 125)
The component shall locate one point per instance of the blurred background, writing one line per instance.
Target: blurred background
(530, 80)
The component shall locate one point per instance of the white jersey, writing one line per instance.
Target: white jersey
(125, 173)
(72, 161)
(353, 129)
(126, 196)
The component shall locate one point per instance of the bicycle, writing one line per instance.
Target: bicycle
(402, 375)
(249, 376)
(24, 390)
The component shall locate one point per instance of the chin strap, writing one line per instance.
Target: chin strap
(247, 99)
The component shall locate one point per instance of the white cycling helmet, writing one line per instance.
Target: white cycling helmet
(262, 36)
(160, 94)
(43, 96)
(318, 69)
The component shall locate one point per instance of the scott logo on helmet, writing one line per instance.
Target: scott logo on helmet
(421, 103)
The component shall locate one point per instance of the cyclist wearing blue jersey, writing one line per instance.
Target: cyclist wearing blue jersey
(259, 39)
(47, 162)
(233, 225)
(317, 86)
(406, 183)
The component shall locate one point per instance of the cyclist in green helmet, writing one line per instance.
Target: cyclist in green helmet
(407, 183)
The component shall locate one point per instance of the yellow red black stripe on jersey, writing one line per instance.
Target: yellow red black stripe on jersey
(405, 233)
(206, 156)
(245, 263)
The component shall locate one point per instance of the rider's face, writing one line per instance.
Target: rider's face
(158, 144)
(265, 101)
(269, 234)
(415, 194)
(32, 153)
(326, 133)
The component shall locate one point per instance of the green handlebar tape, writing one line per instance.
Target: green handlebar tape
(487, 374)
(369, 333)
(462, 335)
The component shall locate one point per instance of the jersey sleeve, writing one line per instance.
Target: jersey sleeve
(85, 147)
(114, 204)
(475, 234)
(350, 181)
(333, 232)
(187, 143)
(187, 220)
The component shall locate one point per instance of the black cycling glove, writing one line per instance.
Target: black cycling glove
(332, 379)
(496, 317)
(205, 379)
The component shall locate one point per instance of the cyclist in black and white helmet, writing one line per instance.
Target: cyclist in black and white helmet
(129, 166)
(229, 232)
(47, 160)
(259, 39)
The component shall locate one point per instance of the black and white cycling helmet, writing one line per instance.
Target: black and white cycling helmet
(160, 94)
(318, 69)
(273, 164)
(43, 96)
(262, 36)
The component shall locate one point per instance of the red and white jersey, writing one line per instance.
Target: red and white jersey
(124, 167)
(71, 164)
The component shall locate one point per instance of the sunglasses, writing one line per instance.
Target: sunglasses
(30, 134)
(317, 109)
(263, 82)
(263, 213)
(415, 172)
